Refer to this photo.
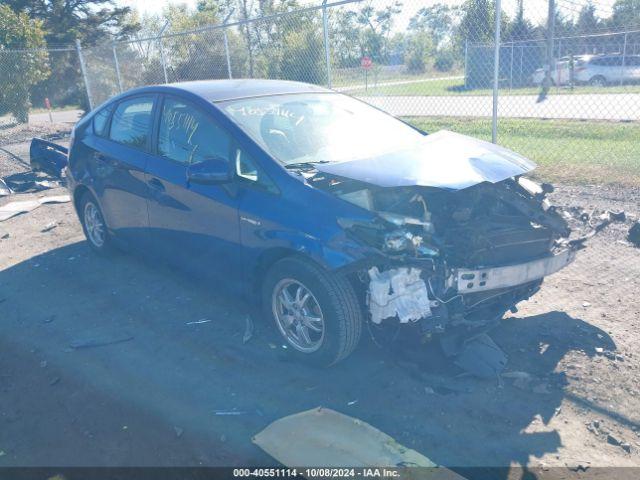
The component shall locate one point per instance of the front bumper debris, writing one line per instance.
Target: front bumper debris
(479, 280)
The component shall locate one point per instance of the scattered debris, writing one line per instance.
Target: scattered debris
(12, 209)
(580, 467)
(248, 329)
(586, 304)
(4, 189)
(198, 322)
(352, 402)
(100, 340)
(429, 391)
(481, 357)
(613, 440)
(599, 350)
(47, 156)
(54, 381)
(626, 447)
(179, 431)
(634, 234)
(325, 437)
(4, 235)
(49, 226)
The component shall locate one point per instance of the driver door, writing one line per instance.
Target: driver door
(194, 226)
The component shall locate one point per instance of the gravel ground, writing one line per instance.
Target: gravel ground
(573, 401)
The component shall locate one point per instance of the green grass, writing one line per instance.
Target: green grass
(444, 87)
(567, 151)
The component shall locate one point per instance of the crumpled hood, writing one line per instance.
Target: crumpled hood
(443, 159)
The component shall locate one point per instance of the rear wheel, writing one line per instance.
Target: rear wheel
(316, 313)
(94, 226)
(598, 81)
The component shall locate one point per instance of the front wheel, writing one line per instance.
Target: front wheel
(316, 312)
(598, 81)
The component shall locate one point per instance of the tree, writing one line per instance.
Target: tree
(477, 24)
(417, 52)
(91, 21)
(587, 22)
(64, 21)
(22, 69)
(626, 13)
(520, 29)
(438, 20)
(375, 28)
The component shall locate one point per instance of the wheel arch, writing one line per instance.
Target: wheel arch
(269, 257)
(78, 193)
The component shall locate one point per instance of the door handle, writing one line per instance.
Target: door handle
(156, 185)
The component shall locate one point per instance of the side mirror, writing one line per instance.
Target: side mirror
(212, 171)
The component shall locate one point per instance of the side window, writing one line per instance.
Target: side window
(188, 135)
(597, 61)
(101, 121)
(131, 123)
(248, 170)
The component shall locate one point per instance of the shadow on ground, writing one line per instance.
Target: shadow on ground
(155, 397)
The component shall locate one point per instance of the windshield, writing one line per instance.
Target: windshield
(323, 127)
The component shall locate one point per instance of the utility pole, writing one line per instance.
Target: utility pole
(551, 26)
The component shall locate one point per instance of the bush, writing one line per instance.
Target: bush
(417, 52)
(444, 61)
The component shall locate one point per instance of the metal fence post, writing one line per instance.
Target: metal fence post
(466, 57)
(496, 74)
(162, 60)
(624, 54)
(325, 31)
(115, 60)
(511, 69)
(226, 52)
(83, 69)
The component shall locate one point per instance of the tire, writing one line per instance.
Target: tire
(91, 218)
(338, 308)
(598, 81)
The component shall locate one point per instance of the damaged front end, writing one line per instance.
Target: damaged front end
(451, 257)
(455, 258)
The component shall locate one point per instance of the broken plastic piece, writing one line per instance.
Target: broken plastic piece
(324, 437)
(4, 189)
(398, 292)
(12, 209)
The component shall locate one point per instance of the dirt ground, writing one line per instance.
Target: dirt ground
(151, 398)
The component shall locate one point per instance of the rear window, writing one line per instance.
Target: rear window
(131, 123)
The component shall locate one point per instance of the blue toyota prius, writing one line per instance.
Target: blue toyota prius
(327, 211)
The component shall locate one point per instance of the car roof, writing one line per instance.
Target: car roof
(222, 90)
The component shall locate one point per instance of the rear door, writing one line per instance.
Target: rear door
(192, 225)
(120, 154)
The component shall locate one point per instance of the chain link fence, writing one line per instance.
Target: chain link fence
(538, 71)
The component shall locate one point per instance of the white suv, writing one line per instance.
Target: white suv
(597, 70)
